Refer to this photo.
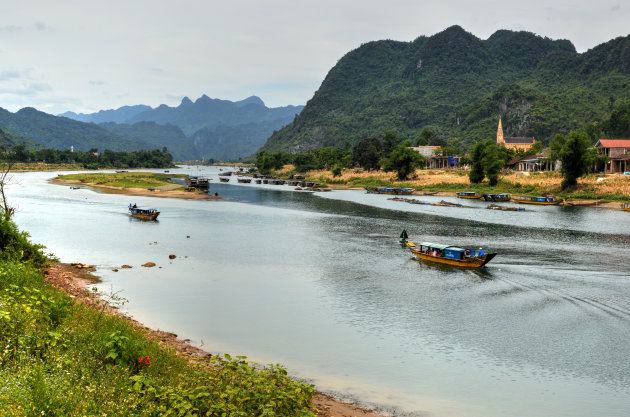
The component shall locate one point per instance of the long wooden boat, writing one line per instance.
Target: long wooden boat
(386, 190)
(449, 255)
(496, 197)
(245, 180)
(547, 200)
(625, 206)
(144, 214)
(469, 194)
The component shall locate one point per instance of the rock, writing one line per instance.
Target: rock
(171, 256)
(149, 264)
(115, 270)
(188, 237)
(126, 266)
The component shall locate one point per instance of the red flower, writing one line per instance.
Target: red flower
(144, 361)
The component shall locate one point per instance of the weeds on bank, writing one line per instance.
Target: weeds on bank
(62, 358)
(123, 179)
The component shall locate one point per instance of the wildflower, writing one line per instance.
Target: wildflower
(144, 361)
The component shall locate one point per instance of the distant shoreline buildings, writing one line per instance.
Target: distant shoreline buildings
(516, 143)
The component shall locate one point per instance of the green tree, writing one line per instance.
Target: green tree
(476, 174)
(575, 158)
(491, 162)
(404, 161)
(555, 147)
(424, 138)
(367, 153)
(304, 162)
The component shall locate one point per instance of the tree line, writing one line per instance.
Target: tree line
(91, 159)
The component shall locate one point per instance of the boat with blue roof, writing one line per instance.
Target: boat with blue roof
(447, 254)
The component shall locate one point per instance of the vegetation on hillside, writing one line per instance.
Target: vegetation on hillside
(457, 86)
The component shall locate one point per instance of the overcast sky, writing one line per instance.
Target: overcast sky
(86, 56)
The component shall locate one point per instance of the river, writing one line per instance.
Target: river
(318, 283)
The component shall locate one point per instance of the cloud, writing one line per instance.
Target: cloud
(10, 75)
(96, 83)
(41, 26)
(10, 28)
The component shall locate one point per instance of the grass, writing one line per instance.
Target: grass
(123, 180)
(613, 188)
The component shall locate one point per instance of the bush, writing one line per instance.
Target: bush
(14, 245)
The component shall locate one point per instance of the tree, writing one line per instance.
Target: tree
(424, 138)
(304, 162)
(367, 153)
(491, 162)
(476, 172)
(404, 161)
(575, 158)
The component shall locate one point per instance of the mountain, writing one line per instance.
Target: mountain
(120, 115)
(62, 133)
(9, 139)
(458, 86)
(158, 137)
(218, 129)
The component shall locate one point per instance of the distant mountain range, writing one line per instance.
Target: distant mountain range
(207, 128)
(458, 86)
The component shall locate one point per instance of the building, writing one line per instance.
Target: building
(436, 161)
(532, 163)
(618, 150)
(513, 143)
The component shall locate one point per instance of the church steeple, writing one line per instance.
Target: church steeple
(500, 133)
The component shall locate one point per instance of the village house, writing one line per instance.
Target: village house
(618, 150)
(532, 163)
(436, 161)
(513, 143)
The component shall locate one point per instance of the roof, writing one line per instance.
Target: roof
(527, 158)
(520, 140)
(613, 143)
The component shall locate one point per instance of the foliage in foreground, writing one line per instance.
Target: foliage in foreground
(61, 358)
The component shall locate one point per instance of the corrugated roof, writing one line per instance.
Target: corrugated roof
(613, 143)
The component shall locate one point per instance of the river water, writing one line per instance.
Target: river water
(318, 283)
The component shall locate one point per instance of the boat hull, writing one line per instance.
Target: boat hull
(469, 195)
(540, 203)
(153, 216)
(476, 262)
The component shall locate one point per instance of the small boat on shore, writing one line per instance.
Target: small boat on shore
(625, 206)
(546, 200)
(496, 197)
(386, 190)
(144, 214)
(469, 194)
(448, 255)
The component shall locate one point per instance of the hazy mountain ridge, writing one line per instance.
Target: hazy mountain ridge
(240, 127)
(458, 86)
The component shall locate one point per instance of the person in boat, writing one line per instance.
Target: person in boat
(481, 252)
(130, 206)
(135, 205)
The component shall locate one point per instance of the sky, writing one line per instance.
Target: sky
(85, 56)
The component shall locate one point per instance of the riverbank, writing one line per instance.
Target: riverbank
(75, 280)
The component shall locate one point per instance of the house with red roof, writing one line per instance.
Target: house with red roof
(618, 150)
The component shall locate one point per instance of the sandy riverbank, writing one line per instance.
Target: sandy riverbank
(76, 283)
(164, 191)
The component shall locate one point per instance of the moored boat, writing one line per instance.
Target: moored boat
(245, 180)
(469, 195)
(496, 197)
(387, 190)
(448, 255)
(546, 200)
(625, 206)
(224, 179)
(144, 214)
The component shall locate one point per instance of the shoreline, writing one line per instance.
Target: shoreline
(141, 192)
(75, 281)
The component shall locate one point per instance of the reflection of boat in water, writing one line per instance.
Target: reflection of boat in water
(625, 206)
(386, 190)
(448, 255)
(547, 200)
(144, 214)
(496, 197)
(469, 195)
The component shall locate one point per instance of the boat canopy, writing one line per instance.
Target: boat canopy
(434, 245)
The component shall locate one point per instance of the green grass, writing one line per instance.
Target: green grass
(123, 179)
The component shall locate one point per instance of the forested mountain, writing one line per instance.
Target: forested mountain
(457, 86)
(120, 115)
(9, 139)
(158, 137)
(219, 129)
(62, 133)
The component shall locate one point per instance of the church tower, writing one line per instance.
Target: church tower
(500, 133)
